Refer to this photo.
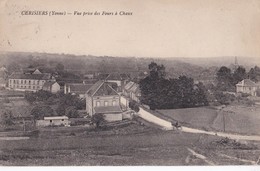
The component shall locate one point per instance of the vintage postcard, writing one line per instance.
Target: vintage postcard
(130, 83)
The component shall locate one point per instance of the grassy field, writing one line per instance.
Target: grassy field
(233, 119)
(139, 147)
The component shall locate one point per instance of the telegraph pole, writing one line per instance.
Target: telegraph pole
(224, 124)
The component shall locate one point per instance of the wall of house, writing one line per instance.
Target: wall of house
(124, 102)
(55, 88)
(106, 100)
(247, 89)
(113, 117)
(55, 122)
(89, 105)
(25, 84)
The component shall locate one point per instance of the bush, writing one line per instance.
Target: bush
(71, 112)
(98, 119)
(245, 94)
(134, 106)
(7, 118)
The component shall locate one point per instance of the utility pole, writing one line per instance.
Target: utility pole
(224, 124)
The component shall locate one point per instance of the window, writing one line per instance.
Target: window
(29, 86)
(50, 121)
(62, 120)
(38, 82)
(21, 86)
(114, 103)
(106, 103)
(24, 81)
(98, 103)
(33, 87)
(14, 81)
(24, 86)
(21, 81)
(38, 87)
(29, 81)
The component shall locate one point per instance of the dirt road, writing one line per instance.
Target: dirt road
(222, 134)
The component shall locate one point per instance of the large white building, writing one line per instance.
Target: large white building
(28, 82)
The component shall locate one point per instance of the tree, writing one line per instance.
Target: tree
(39, 112)
(71, 112)
(59, 67)
(225, 80)
(98, 119)
(254, 74)
(7, 118)
(200, 95)
(134, 106)
(161, 93)
(239, 75)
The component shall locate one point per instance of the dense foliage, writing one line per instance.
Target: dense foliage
(134, 106)
(66, 104)
(161, 93)
(98, 119)
(226, 80)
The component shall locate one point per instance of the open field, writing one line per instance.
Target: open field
(233, 119)
(143, 148)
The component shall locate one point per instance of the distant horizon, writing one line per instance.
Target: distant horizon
(156, 57)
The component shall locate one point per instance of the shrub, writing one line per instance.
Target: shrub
(245, 94)
(134, 106)
(98, 119)
(7, 118)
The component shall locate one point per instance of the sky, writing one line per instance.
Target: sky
(156, 28)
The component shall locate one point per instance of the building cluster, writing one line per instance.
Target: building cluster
(102, 97)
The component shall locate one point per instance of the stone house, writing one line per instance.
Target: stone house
(101, 98)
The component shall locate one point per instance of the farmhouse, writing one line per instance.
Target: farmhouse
(118, 79)
(77, 89)
(247, 86)
(28, 82)
(101, 98)
(51, 86)
(53, 121)
(132, 91)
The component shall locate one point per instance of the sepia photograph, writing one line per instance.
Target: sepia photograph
(130, 83)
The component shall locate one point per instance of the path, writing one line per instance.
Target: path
(222, 134)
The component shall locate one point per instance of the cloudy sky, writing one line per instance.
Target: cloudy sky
(162, 28)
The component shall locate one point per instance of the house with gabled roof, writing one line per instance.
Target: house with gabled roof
(51, 86)
(132, 91)
(247, 86)
(77, 89)
(101, 98)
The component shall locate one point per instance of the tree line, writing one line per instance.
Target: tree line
(227, 80)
